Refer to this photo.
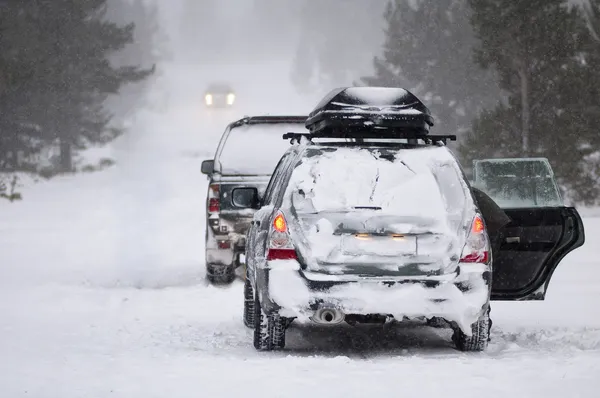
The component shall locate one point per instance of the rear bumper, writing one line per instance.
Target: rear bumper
(224, 249)
(461, 297)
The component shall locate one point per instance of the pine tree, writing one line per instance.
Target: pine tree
(147, 49)
(428, 49)
(548, 62)
(149, 44)
(19, 138)
(527, 41)
(72, 73)
(55, 75)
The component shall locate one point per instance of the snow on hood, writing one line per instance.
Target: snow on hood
(337, 191)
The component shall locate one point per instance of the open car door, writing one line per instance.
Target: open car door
(542, 230)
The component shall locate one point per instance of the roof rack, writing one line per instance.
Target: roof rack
(429, 139)
(268, 119)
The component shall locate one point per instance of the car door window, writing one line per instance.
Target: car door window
(541, 231)
(518, 183)
(268, 198)
(283, 181)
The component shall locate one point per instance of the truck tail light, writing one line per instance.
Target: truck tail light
(224, 244)
(214, 203)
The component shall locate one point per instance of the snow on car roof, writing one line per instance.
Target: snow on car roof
(381, 95)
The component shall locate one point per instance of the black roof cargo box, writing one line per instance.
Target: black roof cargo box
(384, 111)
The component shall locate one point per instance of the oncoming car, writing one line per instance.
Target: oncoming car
(369, 218)
(219, 95)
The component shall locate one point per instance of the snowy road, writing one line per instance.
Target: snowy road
(102, 293)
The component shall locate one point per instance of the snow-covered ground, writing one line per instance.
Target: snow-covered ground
(102, 293)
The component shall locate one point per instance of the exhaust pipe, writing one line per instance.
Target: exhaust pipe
(328, 316)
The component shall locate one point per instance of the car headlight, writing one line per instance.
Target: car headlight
(209, 99)
(230, 98)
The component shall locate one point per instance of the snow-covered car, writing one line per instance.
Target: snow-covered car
(219, 95)
(369, 218)
(241, 160)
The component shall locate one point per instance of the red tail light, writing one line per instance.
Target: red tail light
(224, 244)
(214, 206)
(281, 254)
(482, 257)
(280, 243)
(477, 247)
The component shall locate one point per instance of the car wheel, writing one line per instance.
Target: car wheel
(479, 339)
(269, 330)
(220, 274)
(248, 304)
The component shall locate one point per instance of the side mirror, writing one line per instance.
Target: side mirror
(207, 166)
(246, 198)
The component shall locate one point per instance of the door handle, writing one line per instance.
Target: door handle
(513, 239)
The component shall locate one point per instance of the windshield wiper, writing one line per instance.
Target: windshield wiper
(366, 207)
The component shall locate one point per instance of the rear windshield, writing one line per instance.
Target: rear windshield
(255, 149)
(412, 182)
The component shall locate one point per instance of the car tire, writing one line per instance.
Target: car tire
(248, 304)
(220, 274)
(269, 330)
(479, 339)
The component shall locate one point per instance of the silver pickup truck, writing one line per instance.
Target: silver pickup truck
(245, 157)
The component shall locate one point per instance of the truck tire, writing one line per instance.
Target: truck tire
(248, 304)
(217, 274)
(269, 330)
(479, 339)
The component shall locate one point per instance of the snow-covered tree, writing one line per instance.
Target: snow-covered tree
(56, 73)
(548, 62)
(429, 49)
(148, 49)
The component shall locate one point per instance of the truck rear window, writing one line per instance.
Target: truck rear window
(255, 149)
